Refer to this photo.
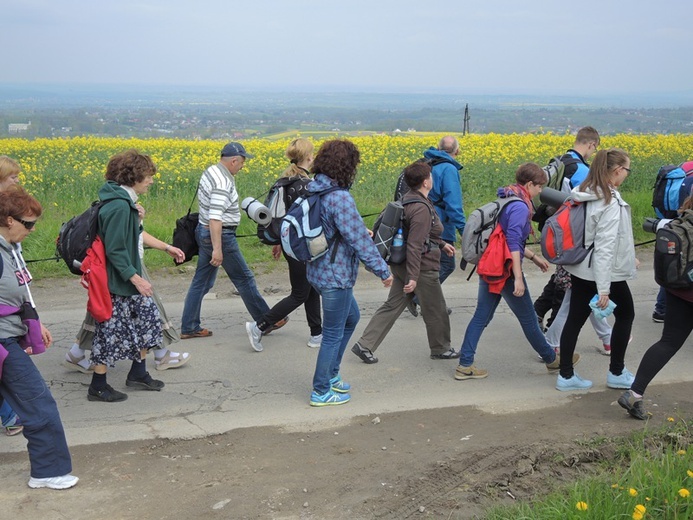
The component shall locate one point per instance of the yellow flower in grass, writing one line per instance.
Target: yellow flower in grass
(689, 473)
(684, 493)
(681, 452)
(670, 419)
(633, 492)
(639, 508)
(637, 515)
(581, 506)
(614, 486)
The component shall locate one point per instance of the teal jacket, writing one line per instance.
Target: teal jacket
(119, 229)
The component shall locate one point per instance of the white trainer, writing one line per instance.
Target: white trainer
(254, 335)
(315, 341)
(62, 482)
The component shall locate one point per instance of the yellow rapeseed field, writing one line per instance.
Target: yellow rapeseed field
(65, 174)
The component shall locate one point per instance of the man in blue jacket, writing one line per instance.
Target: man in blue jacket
(446, 196)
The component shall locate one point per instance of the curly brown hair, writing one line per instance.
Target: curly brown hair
(338, 160)
(16, 202)
(129, 167)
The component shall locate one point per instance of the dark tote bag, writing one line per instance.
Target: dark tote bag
(184, 233)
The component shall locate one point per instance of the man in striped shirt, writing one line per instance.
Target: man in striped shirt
(216, 236)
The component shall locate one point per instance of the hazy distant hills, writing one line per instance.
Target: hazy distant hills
(214, 112)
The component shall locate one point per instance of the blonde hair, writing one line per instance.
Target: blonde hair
(8, 168)
(298, 151)
(599, 178)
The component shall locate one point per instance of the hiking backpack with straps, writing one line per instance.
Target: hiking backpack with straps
(555, 174)
(76, 236)
(673, 254)
(480, 224)
(667, 187)
(390, 220)
(279, 199)
(302, 235)
(563, 237)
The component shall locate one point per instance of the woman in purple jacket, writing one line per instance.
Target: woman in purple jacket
(515, 221)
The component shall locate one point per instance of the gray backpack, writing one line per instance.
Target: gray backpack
(480, 224)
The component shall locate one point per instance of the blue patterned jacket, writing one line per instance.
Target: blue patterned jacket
(339, 213)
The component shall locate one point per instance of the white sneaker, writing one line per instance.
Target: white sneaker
(63, 482)
(315, 341)
(254, 335)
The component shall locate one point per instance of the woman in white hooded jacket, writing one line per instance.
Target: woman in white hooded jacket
(604, 271)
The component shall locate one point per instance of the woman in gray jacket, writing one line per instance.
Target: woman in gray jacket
(605, 271)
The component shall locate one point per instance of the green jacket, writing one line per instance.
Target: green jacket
(119, 229)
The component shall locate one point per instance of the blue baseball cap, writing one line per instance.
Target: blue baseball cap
(232, 149)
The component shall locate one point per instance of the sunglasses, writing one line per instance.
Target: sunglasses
(28, 224)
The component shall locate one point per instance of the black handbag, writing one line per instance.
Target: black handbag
(184, 233)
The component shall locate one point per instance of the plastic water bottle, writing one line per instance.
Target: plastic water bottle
(398, 251)
(398, 240)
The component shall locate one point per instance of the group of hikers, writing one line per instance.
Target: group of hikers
(433, 219)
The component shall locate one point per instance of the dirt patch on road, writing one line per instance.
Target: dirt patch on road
(444, 463)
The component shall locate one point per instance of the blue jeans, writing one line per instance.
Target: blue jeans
(340, 315)
(521, 307)
(26, 392)
(206, 274)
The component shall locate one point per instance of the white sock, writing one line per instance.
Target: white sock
(76, 351)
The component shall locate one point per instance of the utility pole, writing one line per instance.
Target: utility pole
(465, 128)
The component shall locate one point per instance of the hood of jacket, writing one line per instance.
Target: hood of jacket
(321, 182)
(582, 196)
(440, 155)
(112, 190)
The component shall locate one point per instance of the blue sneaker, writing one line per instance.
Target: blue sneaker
(338, 385)
(574, 383)
(625, 380)
(331, 398)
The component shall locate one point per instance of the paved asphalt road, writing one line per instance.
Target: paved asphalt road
(227, 385)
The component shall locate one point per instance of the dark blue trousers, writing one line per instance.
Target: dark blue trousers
(24, 389)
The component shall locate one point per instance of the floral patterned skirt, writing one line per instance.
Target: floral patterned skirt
(135, 325)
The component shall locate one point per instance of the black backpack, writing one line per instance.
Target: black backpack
(281, 196)
(673, 254)
(76, 236)
(390, 220)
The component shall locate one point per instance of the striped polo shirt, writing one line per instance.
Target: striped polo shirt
(218, 197)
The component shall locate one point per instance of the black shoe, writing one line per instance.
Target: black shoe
(147, 382)
(450, 354)
(413, 308)
(365, 354)
(633, 405)
(107, 395)
(658, 317)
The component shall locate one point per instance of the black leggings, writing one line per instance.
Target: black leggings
(624, 313)
(677, 328)
(302, 293)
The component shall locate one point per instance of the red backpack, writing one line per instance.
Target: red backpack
(563, 236)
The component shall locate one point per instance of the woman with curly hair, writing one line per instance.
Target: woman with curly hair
(135, 325)
(334, 273)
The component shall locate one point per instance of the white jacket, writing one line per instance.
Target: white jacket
(609, 228)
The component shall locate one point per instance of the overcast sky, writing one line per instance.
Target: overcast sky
(583, 47)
